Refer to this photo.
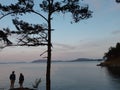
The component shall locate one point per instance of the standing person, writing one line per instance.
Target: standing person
(12, 79)
(21, 80)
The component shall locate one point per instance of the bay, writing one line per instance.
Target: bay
(64, 76)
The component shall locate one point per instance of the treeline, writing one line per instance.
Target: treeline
(114, 52)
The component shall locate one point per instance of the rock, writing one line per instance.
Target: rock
(22, 89)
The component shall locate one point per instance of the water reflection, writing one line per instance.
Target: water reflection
(113, 75)
(114, 72)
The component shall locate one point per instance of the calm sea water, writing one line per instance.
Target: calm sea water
(65, 76)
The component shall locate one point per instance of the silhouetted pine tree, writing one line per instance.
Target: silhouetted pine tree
(49, 7)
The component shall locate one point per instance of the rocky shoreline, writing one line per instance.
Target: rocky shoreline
(111, 63)
(22, 89)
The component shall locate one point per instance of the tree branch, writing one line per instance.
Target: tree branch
(39, 15)
(6, 15)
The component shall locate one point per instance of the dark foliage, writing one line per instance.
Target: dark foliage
(72, 6)
(113, 52)
(118, 1)
(26, 6)
(4, 36)
(22, 6)
(31, 34)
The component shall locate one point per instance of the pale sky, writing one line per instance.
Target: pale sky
(89, 38)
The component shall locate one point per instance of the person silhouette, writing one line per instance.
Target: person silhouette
(12, 79)
(21, 80)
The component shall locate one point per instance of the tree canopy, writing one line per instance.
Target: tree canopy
(114, 52)
(118, 1)
(37, 34)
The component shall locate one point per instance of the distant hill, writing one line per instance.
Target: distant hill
(76, 60)
(39, 61)
(85, 59)
(44, 61)
(12, 62)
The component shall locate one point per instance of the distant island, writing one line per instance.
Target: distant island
(76, 60)
(12, 62)
(85, 59)
(112, 57)
(44, 61)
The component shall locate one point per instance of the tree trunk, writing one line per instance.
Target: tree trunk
(48, 73)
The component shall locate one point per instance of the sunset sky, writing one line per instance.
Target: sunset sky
(89, 38)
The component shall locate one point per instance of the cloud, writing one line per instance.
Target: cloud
(89, 49)
(116, 32)
(64, 46)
